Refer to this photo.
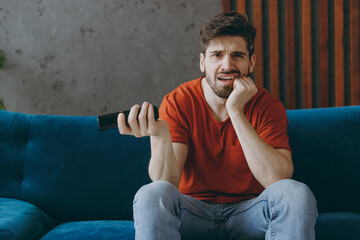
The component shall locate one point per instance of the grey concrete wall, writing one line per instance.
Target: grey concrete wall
(89, 57)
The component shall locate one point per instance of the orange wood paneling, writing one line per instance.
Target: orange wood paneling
(354, 52)
(306, 50)
(259, 67)
(274, 48)
(290, 53)
(241, 6)
(324, 53)
(339, 52)
(331, 85)
(226, 5)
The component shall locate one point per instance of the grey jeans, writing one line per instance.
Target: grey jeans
(285, 210)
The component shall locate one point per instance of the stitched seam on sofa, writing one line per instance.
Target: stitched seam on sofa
(25, 157)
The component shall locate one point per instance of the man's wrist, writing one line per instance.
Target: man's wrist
(164, 131)
(235, 112)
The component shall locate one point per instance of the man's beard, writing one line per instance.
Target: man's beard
(221, 91)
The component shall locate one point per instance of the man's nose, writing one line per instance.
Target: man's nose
(227, 63)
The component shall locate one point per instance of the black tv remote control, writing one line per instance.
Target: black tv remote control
(109, 121)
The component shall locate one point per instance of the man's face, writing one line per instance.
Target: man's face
(226, 59)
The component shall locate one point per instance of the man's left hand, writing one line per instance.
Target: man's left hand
(244, 89)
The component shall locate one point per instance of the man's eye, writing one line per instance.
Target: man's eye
(216, 55)
(239, 55)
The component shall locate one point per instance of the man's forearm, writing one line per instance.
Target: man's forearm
(267, 164)
(163, 165)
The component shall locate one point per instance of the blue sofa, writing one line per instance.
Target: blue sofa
(60, 178)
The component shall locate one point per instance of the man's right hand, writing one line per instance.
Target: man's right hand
(145, 125)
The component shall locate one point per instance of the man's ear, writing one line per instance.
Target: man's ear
(202, 62)
(252, 63)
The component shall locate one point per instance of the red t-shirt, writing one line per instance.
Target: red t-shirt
(216, 170)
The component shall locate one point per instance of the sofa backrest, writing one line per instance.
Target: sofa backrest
(326, 155)
(69, 169)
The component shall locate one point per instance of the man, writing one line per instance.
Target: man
(221, 163)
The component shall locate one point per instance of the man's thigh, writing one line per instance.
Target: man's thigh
(198, 219)
(247, 220)
(273, 214)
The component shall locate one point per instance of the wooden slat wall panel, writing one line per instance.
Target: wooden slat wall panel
(226, 5)
(290, 53)
(306, 53)
(323, 53)
(259, 68)
(339, 52)
(241, 6)
(274, 48)
(316, 64)
(354, 52)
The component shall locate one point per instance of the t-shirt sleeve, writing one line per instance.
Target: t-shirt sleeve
(273, 125)
(169, 111)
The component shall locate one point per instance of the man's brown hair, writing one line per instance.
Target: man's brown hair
(228, 24)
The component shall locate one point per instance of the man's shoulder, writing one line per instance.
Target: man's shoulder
(177, 106)
(265, 97)
(264, 101)
(185, 90)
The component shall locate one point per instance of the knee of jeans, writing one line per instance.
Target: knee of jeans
(155, 191)
(292, 191)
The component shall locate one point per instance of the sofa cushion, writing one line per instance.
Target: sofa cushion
(341, 225)
(21, 220)
(325, 144)
(93, 230)
(76, 173)
(13, 144)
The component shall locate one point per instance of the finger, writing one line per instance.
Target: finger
(132, 119)
(238, 83)
(151, 120)
(249, 80)
(123, 129)
(245, 82)
(151, 115)
(250, 85)
(142, 118)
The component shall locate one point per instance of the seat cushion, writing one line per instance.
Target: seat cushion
(342, 225)
(330, 226)
(21, 220)
(93, 230)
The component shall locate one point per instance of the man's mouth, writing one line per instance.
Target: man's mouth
(226, 80)
(227, 77)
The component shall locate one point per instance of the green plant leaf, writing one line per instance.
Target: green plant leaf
(2, 58)
(2, 106)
